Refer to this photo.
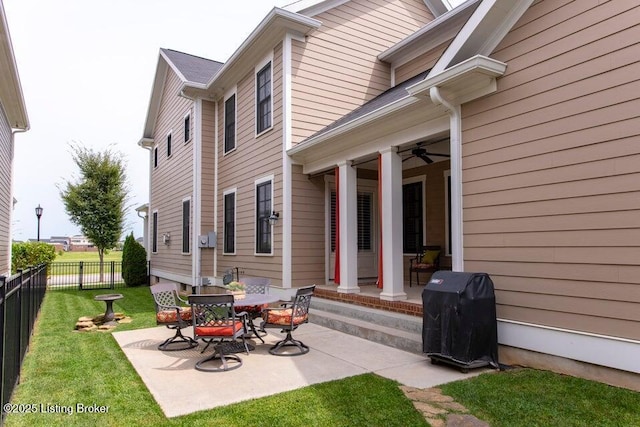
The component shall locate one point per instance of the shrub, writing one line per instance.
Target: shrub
(28, 254)
(134, 262)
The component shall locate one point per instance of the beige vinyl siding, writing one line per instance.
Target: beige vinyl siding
(336, 70)
(419, 64)
(308, 229)
(6, 198)
(172, 180)
(254, 158)
(551, 170)
(208, 183)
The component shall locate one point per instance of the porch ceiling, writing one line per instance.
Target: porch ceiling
(412, 120)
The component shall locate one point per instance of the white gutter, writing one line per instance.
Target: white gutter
(215, 188)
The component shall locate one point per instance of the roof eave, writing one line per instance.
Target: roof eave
(265, 36)
(11, 94)
(468, 80)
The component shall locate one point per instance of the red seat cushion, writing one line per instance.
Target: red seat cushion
(220, 329)
(251, 309)
(282, 317)
(171, 316)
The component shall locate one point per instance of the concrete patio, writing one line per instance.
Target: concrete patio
(334, 355)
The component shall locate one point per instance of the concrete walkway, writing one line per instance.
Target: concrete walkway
(179, 389)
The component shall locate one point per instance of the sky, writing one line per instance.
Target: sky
(86, 69)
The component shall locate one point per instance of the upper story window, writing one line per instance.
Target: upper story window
(263, 99)
(169, 145)
(230, 124)
(187, 128)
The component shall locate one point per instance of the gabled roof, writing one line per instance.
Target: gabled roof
(11, 97)
(315, 7)
(190, 69)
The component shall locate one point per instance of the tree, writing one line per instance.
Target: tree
(97, 201)
(134, 262)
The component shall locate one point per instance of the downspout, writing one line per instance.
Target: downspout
(455, 124)
(215, 188)
(195, 196)
(148, 231)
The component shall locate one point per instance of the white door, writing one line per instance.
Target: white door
(367, 230)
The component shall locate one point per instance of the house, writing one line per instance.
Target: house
(343, 135)
(13, 119)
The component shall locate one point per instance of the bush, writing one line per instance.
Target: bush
(134, 262)
(29, 254)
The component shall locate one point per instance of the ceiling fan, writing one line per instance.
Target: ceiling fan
(424, 155)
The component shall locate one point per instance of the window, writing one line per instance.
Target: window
(155, 157)
(365, 221)
(169, 145)
(154, 232)
(230, 223)
(186, 221)
(412, 232)
(230, 124)
(263, 99)
(187, 128)
(263, 211)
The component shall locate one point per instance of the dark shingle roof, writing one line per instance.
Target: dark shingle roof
(194, 68)
(390, 96)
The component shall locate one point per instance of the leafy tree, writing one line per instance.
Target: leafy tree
(28, 254)
(97, 200)
(134, 262)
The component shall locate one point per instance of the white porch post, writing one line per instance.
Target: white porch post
(391, 199)
(347, 194)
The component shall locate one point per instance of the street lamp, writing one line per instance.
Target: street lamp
(38, 214)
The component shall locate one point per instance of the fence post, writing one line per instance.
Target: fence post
(3, 294)
(80, 272)
(113, 267)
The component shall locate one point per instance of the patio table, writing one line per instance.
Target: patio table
(254, 299)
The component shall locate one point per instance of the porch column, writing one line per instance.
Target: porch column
(391, 199)
(348, 223)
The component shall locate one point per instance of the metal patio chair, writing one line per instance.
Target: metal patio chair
(287, 318)
(172, 311)
(254, 285)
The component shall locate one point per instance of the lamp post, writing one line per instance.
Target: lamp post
(38, 214)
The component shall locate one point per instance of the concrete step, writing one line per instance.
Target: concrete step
(393, 329)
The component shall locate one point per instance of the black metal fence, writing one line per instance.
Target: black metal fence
(86, 275)
(20, 298)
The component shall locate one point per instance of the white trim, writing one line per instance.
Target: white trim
(233, 191)
(269, 178)
(197, 194)
(229, 94)
(184, 119)
(286, 219)
(423, 180)
(613, 352)
(259, 67)
(216, 160)
(312, 8)
(186, 199)
(178, 278)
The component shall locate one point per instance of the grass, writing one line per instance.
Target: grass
(66, 368)
(527, 397)
(88, 256)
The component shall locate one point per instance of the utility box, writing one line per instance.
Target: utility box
(459, 325)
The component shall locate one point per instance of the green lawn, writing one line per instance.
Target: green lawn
(88, 256)
(65, 368)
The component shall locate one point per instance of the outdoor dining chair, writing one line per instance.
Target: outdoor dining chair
(216, 322)
(287, 318)
(172, 311)
(254, 285)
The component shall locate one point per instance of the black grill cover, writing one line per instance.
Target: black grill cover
(460, 318)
